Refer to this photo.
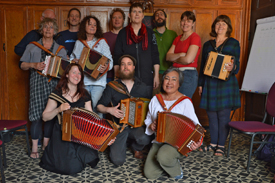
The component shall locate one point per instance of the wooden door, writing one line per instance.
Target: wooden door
(14, 81)
(255, 103)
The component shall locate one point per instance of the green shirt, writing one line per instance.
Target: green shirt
(164, 42)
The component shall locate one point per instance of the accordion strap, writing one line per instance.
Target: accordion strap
(46, 50)
(119, 88)
(212, 42)
(161, 101)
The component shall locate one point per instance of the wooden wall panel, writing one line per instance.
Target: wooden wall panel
(204, 20)
(180, 2)
(230, 2)
(205, 2)
(16, 93)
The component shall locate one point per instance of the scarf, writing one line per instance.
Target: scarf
(131, 36)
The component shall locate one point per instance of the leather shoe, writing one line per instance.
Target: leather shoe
(138, 155)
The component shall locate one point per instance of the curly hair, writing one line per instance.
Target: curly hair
(82, 28)
(223, 18)
(62, 85)
(48, 21)
(117, 10)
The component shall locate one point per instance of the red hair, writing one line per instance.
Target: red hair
(62, 85)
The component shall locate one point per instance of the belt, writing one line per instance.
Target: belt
(187, 68)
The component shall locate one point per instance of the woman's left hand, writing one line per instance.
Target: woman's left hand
(112, 141)
(229, 66)
(103, 68)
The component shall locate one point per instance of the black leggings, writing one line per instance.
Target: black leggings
(36, 129)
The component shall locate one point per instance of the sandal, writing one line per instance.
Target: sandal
(207, 148)
(220, 151)
(35, 155)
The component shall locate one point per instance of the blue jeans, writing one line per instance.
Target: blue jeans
(218, 125)
(190, 82)
(95, 92)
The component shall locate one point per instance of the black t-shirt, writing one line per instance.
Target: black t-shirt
(110, 95)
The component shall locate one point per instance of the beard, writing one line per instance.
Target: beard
(131, 75)
(160, 24)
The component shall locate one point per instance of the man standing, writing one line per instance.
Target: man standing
(165, 38)
(117, 18)
(135, 88)
(140, 42)
(34, 35)
(70, 36)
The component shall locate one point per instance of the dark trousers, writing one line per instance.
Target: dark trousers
(118, 148)
(218, 125)
(36, 129)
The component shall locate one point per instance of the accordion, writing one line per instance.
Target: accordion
(87, 128)
(91, 61)
(178, 131)
(135, 110)
(215, 65)
(55, 66)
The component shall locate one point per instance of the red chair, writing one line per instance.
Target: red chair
(9, 126)
(1, 164)
(255, 128)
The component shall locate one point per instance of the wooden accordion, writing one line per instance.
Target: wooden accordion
(135, 110)
(178, 131)
(215, 65)
(55, 66)
(87, 128)
(91, 61)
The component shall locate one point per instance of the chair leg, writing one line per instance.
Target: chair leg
(2, 170)
(230, 139)
(250, 152)
(4, 152)
(27, 138)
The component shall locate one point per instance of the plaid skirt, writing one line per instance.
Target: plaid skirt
(40, 89)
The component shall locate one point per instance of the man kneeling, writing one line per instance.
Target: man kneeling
(135, 88)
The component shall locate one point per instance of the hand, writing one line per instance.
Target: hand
(114, 111)
(153, 126)
(229, 66)
(200, 90)
(39, 66)
(103, 68)
(64, 107)
(196, 145)
(156, 82)
(111, 141)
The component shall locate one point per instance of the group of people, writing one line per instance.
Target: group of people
(142, 62)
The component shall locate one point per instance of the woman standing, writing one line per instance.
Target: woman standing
(40, 86)
(219, 97)
(90, 33)
(184, 53)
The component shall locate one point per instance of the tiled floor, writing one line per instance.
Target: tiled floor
(197, 167)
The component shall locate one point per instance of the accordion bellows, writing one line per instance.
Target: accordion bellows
(178, 131)
(87, 128)
(135, 110)
(55, 66)
(215, 65)
(91, 61)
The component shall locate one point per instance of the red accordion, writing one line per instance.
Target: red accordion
(178, 131)
(87, 128)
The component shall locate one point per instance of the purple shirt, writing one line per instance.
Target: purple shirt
(111, 40)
